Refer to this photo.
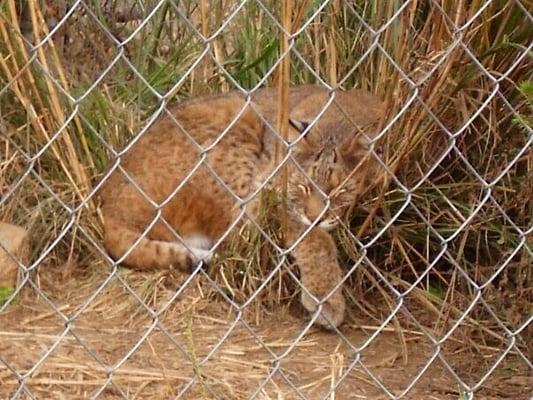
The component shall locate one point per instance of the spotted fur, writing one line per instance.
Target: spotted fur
(163, 207)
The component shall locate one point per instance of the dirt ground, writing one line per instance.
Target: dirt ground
(109, 346)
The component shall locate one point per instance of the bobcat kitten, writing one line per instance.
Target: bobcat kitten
(175, 179)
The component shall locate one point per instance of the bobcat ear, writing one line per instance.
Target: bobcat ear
(299, 125)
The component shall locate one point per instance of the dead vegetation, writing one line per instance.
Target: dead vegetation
(455, 196)
(195, 346)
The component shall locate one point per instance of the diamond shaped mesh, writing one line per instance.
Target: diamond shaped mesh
(435, 252)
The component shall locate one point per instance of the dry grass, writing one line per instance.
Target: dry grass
(170, 355)
(37, 192)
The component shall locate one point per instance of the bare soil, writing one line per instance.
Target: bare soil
(110, 345)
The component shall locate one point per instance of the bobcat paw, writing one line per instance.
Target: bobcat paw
(201, 254)
(200, 249)
(190, 260)
(332, 312)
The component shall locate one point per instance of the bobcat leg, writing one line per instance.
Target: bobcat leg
(316, 257)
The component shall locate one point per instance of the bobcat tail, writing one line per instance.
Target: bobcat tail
(149, 254)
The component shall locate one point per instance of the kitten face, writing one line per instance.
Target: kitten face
(332, 157)
(322, 194)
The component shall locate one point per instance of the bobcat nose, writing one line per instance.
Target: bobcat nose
(314, 209)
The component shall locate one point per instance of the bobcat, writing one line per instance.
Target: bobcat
(182, 177)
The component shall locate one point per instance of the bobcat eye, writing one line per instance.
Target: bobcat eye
(304, 189)
(300, 126)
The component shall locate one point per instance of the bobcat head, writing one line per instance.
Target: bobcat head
(331, 161)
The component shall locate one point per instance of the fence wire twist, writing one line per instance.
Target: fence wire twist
(145, 14)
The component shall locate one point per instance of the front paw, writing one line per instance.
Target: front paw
(332, 312)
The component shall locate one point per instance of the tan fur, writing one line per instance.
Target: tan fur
(328, 153)
(159, 162)
(201, 211)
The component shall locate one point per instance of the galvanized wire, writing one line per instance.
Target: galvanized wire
(364, 246)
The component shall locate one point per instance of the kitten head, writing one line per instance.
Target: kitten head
(330, 154)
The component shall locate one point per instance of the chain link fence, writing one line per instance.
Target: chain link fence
(436, 253)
